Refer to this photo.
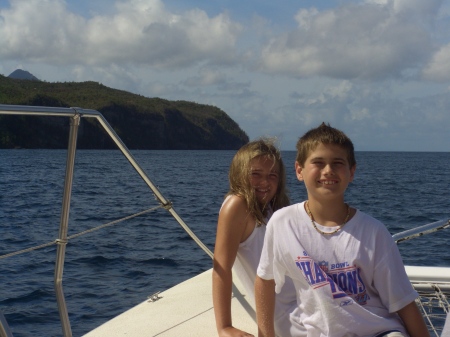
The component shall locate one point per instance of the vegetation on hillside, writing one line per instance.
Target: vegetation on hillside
(141, 122)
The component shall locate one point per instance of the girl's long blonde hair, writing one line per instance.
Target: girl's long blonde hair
(239, 177)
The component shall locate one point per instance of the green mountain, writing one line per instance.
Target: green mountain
(141, 122)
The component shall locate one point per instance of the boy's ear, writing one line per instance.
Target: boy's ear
(298, 171)
(352, 172)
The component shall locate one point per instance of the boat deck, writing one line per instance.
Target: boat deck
(187, 309)
(184, 310)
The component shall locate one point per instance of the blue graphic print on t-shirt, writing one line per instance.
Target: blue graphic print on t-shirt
(342, 278)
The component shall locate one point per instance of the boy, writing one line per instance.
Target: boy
(347, 270)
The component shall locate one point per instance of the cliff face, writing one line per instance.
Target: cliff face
(142, 123)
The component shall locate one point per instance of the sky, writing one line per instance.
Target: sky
(379, 70)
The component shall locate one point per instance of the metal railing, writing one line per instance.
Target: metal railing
(75, 115)
(433, 303)
(429, 302)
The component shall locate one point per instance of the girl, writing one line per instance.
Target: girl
(257, 189)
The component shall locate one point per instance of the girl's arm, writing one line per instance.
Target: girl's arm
(231, 229)
(413, 320)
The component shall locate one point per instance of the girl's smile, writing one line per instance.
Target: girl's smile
(264, 178)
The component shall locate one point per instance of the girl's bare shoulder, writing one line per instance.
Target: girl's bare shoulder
(235, 219)
(234, 203)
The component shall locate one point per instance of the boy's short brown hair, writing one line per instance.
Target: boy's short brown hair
(324, 134)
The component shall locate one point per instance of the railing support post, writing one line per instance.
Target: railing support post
(4, 327)
(62, 238)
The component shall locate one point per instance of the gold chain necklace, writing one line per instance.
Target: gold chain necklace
(314, 224)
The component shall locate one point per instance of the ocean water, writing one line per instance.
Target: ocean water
(110, 270)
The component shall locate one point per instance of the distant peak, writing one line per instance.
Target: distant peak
(20, 74)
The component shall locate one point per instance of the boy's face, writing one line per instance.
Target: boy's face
(326, 172)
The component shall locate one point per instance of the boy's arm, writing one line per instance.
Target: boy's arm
(265, 306)
(413, 320)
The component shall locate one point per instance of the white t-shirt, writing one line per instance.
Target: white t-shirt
(244, 268)
(347, 284)
(245, 265)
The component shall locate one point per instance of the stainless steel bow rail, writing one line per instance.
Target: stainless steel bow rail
(433, 300)
(434, 305)
(421, 230)
(434, 289)
(75, 115)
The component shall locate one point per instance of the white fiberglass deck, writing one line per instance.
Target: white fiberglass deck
(187, 309)
(184, 310)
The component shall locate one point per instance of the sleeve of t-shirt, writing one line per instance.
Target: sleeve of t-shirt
(265, 267)
(390, 278)
(270, 266)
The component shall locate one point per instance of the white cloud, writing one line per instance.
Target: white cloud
(438, 69)
(377, 69)
(367, 41)
(359, 114)
(140, 32)
(36, 30)
(413, 8)
(122, 77)
(207, 77)
(372, 115)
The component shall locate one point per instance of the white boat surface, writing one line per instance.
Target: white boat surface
(187, 309)
(183, 310)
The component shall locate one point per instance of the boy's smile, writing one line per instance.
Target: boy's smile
(326, 171)
(328, 182)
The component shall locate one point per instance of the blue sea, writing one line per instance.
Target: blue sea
(110, 270)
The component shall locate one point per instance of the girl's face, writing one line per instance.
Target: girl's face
(264, 178)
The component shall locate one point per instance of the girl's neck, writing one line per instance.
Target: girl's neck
(264, 208)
